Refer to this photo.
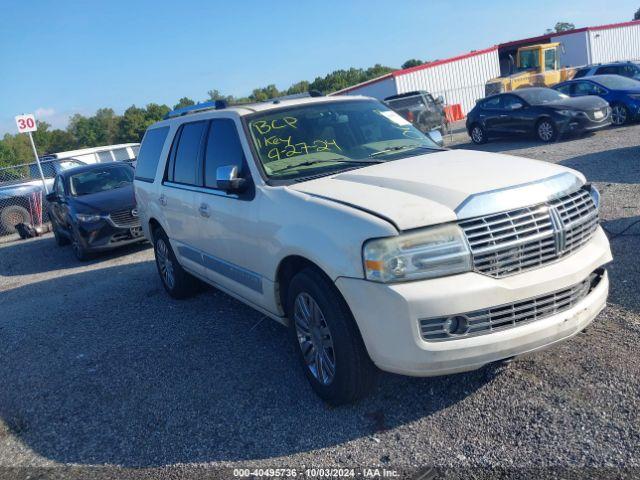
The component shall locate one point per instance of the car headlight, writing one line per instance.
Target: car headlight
(427, 253)
(88, 217)
(568, 113)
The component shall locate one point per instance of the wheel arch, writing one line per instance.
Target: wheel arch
(288, 267)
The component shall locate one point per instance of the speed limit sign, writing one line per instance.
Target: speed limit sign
(26, 123)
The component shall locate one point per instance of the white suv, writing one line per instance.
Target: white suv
(335, 216)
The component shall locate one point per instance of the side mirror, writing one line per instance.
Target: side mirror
(436, 136)
(227, 179)
(51, 197)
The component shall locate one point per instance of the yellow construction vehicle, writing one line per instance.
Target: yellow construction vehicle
(536, 66)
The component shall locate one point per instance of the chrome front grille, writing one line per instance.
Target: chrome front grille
(510, 315)
(517, 240)
(124, 218)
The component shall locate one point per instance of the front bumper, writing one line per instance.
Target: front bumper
(103, 235)
(388, 315)
(582, 123)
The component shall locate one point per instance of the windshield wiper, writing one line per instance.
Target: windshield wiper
(401, 147)
(313, 162)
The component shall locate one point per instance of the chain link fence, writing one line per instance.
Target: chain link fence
(22, 196)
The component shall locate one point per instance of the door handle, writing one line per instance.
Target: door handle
(204, 210)
(163, 200)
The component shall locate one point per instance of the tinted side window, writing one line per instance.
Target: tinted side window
(566, 89)
(223, 148)
(59, 187)
(509, 101)
(493, 102)
(149, 154)
(585, 88)
(185, 169)
(581, 73)
(610, 70)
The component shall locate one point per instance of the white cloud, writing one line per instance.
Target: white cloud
(44, 112)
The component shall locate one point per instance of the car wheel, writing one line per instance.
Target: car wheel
(619, 114)
(79, 250)
(478, 134)
(12, 216)
(176, 281)
(61, 240)
(546, 130)
(328, 341)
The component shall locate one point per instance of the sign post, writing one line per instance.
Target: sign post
(27, 124)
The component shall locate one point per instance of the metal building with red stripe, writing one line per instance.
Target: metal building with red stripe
(461, 80)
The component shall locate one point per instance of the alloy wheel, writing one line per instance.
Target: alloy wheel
(618, 115)
(314, 338)
(477, 135)
(545, 131)
(165, 264)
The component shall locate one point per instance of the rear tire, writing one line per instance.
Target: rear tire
(546, 130)
(328, 342)
(13, 215)
(478, 134)
(176, 281)
(619, 114)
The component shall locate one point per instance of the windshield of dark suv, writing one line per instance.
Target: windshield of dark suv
(318, 138)
(100, 180)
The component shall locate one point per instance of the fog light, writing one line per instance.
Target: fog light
(457, 325)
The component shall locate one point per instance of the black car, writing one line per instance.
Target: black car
(93, 207)
(542, 112)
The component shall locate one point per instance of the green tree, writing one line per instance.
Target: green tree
(636, 16)
(299, 87)
(184, 102)
(264, 93)
(132, 125)
(564, 27)
(413, 62)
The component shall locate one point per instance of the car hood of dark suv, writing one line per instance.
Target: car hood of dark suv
(107, 201)
(444, 186)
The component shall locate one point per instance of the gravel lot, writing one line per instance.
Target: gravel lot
(98, 366)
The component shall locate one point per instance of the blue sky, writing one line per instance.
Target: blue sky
(62, 57)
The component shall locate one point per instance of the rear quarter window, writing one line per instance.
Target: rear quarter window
(149, 154)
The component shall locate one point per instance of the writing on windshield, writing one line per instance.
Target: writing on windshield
(280, 138)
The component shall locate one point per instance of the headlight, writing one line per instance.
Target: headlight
(568, 113)
(428, 253)
(88, 217)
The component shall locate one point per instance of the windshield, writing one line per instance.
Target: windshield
(617, 82)
(326, 137)
(540, 96)
(100, 180)
(529, 59)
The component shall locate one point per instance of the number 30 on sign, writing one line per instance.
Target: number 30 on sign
(26, 123)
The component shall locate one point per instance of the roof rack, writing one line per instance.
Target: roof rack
(199, 107)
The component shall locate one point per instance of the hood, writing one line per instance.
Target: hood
(109, 201)
(587, 102)
(445, 186)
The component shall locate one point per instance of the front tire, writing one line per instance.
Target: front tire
(546, 130)
(79, 250)
(328, 341)
(478, 134)
(176, 281)
(61, 239)
(619, 114)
